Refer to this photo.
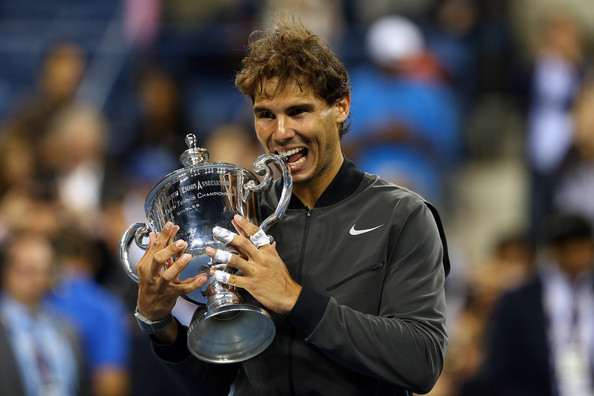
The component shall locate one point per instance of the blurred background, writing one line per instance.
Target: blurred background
(484, 107)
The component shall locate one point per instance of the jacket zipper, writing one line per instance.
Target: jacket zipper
(299, 273)
(374, 267)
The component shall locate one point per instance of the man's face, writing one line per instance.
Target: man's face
(575, 256)
(299, 125)
(28, 273)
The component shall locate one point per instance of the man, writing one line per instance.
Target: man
(355, 278)
(96, 314)
(40, 354)
(542, 336)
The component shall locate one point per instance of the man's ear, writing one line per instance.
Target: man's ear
(343, 107)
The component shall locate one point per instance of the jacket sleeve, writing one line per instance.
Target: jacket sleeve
(194, 375)
(405, 343)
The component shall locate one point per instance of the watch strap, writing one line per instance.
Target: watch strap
(149, 326)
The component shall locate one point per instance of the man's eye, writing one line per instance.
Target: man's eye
(265, 114)
(296, 112)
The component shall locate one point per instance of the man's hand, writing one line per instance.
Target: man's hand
(265, 275)
(158, 273)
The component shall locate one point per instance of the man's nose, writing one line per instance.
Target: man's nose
(283, 130)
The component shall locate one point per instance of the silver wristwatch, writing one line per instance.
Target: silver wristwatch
(149, 326)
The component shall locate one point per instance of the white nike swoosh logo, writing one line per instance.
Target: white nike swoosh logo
(352, 231)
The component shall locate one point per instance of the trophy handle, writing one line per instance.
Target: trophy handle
(262, 167)
(136, 232)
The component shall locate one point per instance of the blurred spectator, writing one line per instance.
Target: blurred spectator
(452, 37)
(555, 80)
(575, 188)
(58, 80)
(509, 266)
(74, 155)
(401, 102)
(21, 211)
(59, 77)
(17, 161)
(41, 355)
(25, 201)
(234, 144)
(542, 336)
(162, 121)
(99, 317)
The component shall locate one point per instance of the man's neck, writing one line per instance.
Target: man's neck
(306, 196)
(309, 193)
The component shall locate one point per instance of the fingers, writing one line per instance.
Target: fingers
(176, 268)
(239, 229)
(238, 243)
(245, 226)
(223, 256)
(222, 276)
(256, 235)
(164, 257)
(219, 255)
(189, 285)
(260, 239)
(162, 240)
(230, 279)
(174, 231)
(223, 235)
(159, 240)
(232, 260)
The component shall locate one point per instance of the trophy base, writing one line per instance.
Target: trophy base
(230, 334)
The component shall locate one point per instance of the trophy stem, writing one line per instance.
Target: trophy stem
(222, 296)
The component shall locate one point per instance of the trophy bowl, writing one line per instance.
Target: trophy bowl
(198, 197)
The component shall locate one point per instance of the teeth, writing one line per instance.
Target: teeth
(290, 152)
(300, 160)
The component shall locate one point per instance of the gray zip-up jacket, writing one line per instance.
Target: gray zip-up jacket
(372, 260)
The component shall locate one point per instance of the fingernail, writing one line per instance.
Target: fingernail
(180, 244)
(186, 258)
(238, 217)
(168, 226)
(209, 250)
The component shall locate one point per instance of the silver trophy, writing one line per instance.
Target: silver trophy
(198, 197)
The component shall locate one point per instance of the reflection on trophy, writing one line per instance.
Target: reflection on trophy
(198, 197)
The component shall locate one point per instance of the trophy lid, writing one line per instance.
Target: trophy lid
(194, 155)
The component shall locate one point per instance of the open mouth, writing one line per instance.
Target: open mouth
(294, 156)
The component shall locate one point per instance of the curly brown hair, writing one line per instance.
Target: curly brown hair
(291, 53)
